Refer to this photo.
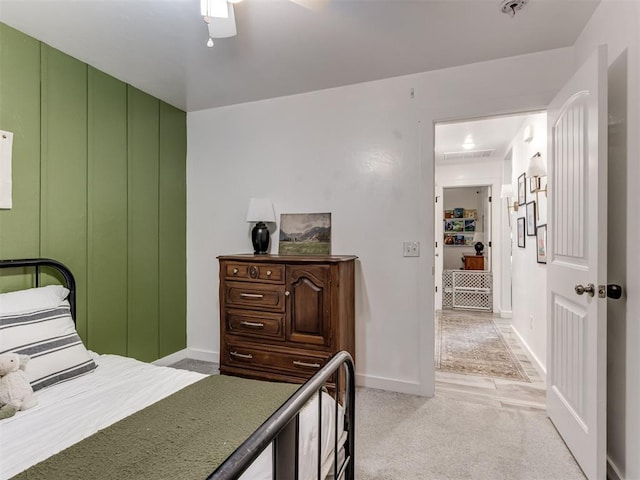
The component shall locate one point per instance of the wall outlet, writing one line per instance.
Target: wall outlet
(411, 249)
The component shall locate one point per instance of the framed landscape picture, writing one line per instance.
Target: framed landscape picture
(521, 232)
(305, 234)
(541, 244)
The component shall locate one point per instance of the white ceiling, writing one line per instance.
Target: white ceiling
(494, 133)
(283, 48)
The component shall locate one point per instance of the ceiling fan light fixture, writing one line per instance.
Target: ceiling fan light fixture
(219, 17)
(214, 8)
(223, 27)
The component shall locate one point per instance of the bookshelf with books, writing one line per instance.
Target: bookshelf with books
(459, 226)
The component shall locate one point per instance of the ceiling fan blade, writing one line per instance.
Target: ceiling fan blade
(313, 5)
(223, 27)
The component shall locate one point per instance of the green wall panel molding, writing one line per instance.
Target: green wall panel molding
(173, 229)
(107, 214)
(99, 183)
(143, 241)
(63, 168)
(20, 114)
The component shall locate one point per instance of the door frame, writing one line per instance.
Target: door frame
(496, 243)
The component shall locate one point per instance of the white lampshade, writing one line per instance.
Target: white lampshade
(536, 166)
(260, 210)
(506, 191)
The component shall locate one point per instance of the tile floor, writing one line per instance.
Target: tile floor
(496, 391)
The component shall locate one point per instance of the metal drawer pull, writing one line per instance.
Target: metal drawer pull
(235, 271)
(268, 273)
(248, 356)
(305, 364)
(252, 324)
(252, 295)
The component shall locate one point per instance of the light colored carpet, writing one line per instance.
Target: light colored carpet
(405, 437)
(471, 344)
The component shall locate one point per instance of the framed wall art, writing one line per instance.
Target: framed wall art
(541, 244)
(522, 189)
(531, 219)
(521, 232)
(305, 234)
(534, 184)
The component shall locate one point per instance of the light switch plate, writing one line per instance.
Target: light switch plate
(411, 249)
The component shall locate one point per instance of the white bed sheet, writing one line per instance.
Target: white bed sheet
(70, 411)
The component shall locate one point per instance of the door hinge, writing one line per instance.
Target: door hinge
(436, 289)
(489, 244)
(489, 198)
(436, 199)
(436, 244)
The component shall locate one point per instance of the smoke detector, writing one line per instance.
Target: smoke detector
(510, 7)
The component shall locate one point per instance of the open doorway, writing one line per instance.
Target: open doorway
(479, 353)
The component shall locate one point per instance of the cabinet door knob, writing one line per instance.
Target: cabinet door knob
(235, 271)
(287, 293)
(268, 273)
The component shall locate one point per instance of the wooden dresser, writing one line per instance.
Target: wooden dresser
(473, 262)
(283, 316)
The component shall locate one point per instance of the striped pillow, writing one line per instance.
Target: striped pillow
(49, 337)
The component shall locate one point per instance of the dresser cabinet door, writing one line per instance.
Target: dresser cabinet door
(309, 304)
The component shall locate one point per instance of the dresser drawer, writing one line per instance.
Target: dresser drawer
(255, 324)
(255, 295)
(274, 359)
(254, 272)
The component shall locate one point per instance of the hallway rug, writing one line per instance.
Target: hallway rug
(471, 344)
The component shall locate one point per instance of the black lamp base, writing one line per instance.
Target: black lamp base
(260, 238)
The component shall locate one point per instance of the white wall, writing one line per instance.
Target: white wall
(364, 153)
(528, 277)
(616, 23)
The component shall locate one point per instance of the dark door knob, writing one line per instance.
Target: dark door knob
(614, 291)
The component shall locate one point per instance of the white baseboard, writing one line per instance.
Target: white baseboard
(536, 361)
(192, 353)
(389, 384)
(204, 355)
(613, 472)
(172, 358)
(506, 314)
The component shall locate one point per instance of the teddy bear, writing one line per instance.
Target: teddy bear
(15, 390)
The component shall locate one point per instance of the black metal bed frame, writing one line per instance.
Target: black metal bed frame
(283, 427)
(69, 280)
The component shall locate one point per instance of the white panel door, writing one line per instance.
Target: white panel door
(577, 256)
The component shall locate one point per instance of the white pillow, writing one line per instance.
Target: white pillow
(49, 337)
(32, 299)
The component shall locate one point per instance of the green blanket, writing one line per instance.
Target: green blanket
(185, 436)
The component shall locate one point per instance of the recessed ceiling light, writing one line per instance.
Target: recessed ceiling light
(468, 143)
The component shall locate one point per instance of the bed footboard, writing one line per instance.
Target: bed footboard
(282, 428)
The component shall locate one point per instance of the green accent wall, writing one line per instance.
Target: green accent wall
(99, 183)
